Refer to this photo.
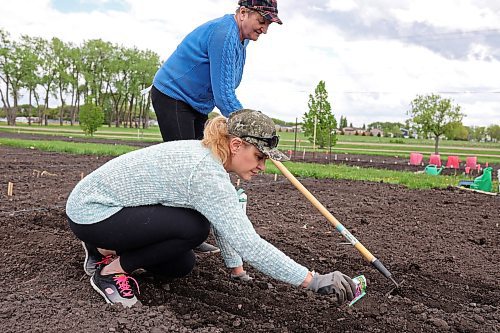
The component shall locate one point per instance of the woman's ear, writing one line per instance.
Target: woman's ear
(235, 145)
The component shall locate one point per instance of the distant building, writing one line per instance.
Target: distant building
(27, 120)
(280, 128)
(376, 132)
(406, 133)
(353, 131)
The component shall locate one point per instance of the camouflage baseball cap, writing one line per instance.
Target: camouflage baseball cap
(258, 129)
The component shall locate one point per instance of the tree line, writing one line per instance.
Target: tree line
(105, 76)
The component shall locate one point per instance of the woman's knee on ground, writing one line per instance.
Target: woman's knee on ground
(175, 268)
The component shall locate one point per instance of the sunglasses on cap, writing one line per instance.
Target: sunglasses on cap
(271, 142)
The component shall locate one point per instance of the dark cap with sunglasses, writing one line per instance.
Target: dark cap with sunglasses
(258, 129)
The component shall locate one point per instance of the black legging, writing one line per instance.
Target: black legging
(177, 120)
(156, 238)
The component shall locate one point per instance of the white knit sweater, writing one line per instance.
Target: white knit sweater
(181, 174)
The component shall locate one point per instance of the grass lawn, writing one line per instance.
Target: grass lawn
(351, 144)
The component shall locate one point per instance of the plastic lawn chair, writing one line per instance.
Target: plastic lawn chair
(483, 182)
(435, 160)
(471, 162)
(432, 169)
(453, 162)
(416, 158)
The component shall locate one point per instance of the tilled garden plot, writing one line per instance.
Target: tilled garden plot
(444, 244)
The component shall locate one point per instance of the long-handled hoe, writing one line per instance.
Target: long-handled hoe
(340, 228)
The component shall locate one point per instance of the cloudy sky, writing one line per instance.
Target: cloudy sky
(374, 55)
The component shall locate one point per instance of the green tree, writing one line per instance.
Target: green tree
(12, 64)
(343, 122)
(62, 74)
(48, 70)
(91, 118)
(432, 114)
(75, 74)
(96, 55)
(31, 65)
(319, 123)
(388, 127)
(477, 133)
(6, 53)
(493, 131)
(456, 131)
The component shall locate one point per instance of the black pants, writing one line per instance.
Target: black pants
(156, 238)
(177, 120)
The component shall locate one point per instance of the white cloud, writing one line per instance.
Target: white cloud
(343, 6)
(451, 14)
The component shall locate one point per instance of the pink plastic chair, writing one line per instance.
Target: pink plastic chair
(435, 159)
(453, 162)
(471, 162)
(416, 158)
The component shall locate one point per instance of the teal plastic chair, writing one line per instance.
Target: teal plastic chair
(432, 169)
(483, 182)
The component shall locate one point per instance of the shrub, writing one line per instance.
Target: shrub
(91, 118)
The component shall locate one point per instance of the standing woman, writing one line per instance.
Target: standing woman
(206, 68)
(204, 72)
(150, 208)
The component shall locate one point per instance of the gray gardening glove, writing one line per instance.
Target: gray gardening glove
(243, 277)
(334, 283)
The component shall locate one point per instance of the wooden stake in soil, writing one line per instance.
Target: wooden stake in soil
(10, 189)
(81, 176)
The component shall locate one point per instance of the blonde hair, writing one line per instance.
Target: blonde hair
(216, 137)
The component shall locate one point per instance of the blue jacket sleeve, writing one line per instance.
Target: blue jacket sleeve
(224, 67)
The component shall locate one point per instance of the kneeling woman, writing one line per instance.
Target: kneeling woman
(150, 208)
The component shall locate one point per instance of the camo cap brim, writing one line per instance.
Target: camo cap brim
(255, 124)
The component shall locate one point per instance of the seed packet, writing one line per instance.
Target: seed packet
(360, 282)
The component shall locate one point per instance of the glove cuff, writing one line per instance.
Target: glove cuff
(243, 276)
(313, 285)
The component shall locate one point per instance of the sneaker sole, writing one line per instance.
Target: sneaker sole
(207, 252)
(89, 273)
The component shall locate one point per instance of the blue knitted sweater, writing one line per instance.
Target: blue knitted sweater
(181, 174)
(206, 68)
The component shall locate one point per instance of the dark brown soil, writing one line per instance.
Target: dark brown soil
(444, 245)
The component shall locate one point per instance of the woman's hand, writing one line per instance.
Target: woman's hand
(334, 283)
